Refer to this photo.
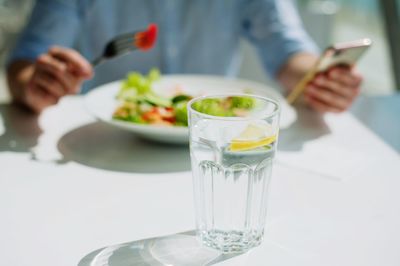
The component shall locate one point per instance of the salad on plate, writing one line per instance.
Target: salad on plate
(140, 104)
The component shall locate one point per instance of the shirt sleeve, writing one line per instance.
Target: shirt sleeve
(52, 22)
(274, 27)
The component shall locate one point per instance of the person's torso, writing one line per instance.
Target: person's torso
(195, 36)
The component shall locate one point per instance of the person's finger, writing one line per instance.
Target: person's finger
(50, 83)
(70, 82)
(320, 106)
(57, 68)
(79, 64)
(38, 98)
(74, 84)
(50, 63)
(346, 77)
(336, 87)
(328, 97)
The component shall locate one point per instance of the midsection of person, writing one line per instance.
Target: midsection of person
(193, 37)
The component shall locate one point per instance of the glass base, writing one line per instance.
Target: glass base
(231, 241)
(177, 249)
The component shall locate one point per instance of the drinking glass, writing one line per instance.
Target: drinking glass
(233, 140)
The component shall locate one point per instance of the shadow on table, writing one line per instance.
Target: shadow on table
(181, 249)
(20, 129)
(102, 146)
(309, 125)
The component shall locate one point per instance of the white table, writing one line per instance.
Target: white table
(70, 185)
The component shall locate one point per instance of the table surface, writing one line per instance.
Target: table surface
(70, 185)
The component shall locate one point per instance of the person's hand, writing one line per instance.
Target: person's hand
(333, 91)
(58, 72)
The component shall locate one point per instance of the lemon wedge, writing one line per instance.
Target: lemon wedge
(254, 136)
(250, 145)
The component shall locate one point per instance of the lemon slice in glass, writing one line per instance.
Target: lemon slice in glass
(254, 136)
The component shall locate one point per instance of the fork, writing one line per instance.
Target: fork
(124, 43)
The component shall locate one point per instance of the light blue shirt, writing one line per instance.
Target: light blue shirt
(195, 36)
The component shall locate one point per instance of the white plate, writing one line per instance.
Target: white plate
(101, 102)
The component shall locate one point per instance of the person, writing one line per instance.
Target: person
(51, 58)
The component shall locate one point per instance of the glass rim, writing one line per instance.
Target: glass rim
(275, 112)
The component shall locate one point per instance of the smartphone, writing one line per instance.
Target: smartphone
(341, 54)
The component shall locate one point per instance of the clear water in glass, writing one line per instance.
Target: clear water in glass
(230, 185)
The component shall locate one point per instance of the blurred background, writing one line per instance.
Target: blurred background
(327, 21)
